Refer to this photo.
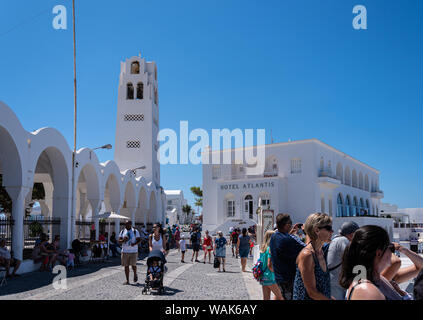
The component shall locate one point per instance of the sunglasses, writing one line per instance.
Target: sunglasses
(328, 228)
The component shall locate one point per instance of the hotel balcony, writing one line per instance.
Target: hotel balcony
(377, 194)
(328, 180)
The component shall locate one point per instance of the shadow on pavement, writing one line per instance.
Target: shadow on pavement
(36, 279)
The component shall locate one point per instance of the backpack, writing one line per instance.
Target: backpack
(258, 271)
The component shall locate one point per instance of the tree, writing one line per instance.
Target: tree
(187, 210)
(199, 199)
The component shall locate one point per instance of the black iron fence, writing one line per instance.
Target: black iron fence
(34, 228)
(6, 226)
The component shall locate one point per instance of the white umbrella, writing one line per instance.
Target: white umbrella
(110, 216)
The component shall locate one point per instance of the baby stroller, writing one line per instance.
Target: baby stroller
(155, 284)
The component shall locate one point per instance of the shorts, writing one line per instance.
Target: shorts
(195, 247)
(183, 251)
(243, 253)
(234, 245)
(129, 259)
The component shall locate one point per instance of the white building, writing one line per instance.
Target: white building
(44, 156)
(174, 202)
(299, 178)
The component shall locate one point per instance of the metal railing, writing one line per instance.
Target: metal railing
(34, 227)
(6, 228)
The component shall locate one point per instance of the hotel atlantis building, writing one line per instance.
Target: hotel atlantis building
(299, 178)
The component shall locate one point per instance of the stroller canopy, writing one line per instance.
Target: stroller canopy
(156, 255)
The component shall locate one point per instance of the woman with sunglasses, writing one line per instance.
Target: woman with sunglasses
(371, 250)
(312, 279)
(157, 240)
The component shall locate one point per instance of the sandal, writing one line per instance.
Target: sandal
(126, 283)
(136, 278)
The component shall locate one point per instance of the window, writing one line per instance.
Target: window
(231, 208)
(129, 91)
(133, 117)
(135, 67)
(140, 90)
(340, 207)
(215, 172)
(295, 165)
(265, 202)
(133, 144)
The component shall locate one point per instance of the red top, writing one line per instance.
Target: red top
(207, 241)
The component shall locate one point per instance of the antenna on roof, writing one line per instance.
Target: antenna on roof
(271, 136)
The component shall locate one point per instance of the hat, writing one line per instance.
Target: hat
(348, 228)
(418, 287)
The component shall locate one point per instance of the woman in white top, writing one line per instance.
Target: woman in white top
(156, 240)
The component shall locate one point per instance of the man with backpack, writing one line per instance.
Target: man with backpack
(195, 244)
(129, 238)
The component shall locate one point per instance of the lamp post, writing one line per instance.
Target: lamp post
(139, 168)
(106, 146)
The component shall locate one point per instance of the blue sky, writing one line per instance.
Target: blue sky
(296, 67)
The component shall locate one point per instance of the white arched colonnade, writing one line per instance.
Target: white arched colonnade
(44, 156)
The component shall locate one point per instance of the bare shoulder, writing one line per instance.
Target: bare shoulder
(367, 291)
(305, 255)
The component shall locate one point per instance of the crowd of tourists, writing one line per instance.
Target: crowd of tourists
(358, 264)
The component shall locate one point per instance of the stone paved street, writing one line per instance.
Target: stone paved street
(105, 281)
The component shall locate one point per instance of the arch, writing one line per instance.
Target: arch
(52, 171)
(340, 172)
(135, 67)
(348, 207)
(129, 200)
(142, 209)
(151, 217)
(340, 206)
(10, 163)
(140, 90)
(111, 185)
(360, 181)
(347, 176)
(129, 91)
(355, 207)
(354, 179)
(368, 207)
(366, 183)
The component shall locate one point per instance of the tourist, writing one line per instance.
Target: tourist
(418, 287)
(371, 249)
(183, 247)
(195, 243)
(220, 250)
(335, 253)
(177, 237)
(113, 244)
(7, 260)
(312, 279)
(243, 248)
(207, 246)
(46, 252)
(269, 284)
(129, 238)
(168, 238)
(284, 248)
(58, 254)
(234, 242)
(157, 240)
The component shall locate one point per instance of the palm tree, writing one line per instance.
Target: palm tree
(187, 210)
(199, 200)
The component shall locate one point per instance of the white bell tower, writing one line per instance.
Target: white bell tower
(137, 122)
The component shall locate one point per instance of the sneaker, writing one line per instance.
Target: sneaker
(197, 260)
(182, 261)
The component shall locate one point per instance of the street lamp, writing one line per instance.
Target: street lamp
(140, 168)
(106, 146)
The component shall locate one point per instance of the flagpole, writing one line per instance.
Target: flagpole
(74, 122)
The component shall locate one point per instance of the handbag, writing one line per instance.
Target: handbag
(216, 263)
